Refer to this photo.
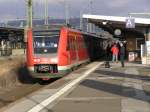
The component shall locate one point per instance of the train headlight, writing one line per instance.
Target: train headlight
(54, 60)
(37, 60)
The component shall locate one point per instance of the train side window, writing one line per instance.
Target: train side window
(73, 44)
(68, 44)
(79, 43)
(83, 44)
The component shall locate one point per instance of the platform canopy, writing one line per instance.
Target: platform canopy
(11, 33)
(115, 20)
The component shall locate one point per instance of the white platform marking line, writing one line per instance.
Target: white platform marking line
(103, 78)
(49, 100)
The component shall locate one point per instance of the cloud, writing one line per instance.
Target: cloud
(118, 3)
(7, 17)
(17, 8)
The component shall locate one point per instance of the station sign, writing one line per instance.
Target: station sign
(130, 22)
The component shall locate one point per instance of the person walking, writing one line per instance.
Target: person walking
(115, 52)
(122, 54)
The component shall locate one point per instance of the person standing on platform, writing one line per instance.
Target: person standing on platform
(108, 55)
(122, 54)
(108, 52)
(115, 52)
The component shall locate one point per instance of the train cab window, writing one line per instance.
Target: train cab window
(45, 45)
(45, 41)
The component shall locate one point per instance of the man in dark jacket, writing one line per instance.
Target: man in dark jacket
(122, 54)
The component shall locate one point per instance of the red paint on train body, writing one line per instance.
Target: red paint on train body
(53, 53)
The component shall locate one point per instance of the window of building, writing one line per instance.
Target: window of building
(139, 41)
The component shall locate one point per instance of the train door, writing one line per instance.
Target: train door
(76, 50)
(73, 50)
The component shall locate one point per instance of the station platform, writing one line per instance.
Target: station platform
(93, 88)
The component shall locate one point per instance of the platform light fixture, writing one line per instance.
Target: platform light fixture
(104, 22)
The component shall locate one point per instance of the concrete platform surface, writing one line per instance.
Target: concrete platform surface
(94, 88)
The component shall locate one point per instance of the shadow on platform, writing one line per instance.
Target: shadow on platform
(118, 74)
(107, 87)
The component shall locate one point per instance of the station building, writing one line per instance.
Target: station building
(136, 33)
(11, 39)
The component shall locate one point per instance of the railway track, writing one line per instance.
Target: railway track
(10, 95)
(30, 86)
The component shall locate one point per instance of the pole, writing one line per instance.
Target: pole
(29, 13)
(66, 12)
(81, 21)
(90, 24)
(46, 12)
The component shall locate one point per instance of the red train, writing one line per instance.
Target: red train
(53, 52)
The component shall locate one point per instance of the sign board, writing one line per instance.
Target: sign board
(130, 23)
(148, 47)
(131, 56)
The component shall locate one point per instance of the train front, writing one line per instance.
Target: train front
(42, 47)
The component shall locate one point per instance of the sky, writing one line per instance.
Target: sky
(12, 9)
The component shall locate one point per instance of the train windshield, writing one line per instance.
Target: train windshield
(45, 44)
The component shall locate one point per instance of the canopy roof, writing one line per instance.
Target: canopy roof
(116, 20)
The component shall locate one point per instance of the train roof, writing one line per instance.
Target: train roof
(48, 27)
(101, 35)
(57, 27)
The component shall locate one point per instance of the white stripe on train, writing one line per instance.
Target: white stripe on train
(72, 65)
(31, 68)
